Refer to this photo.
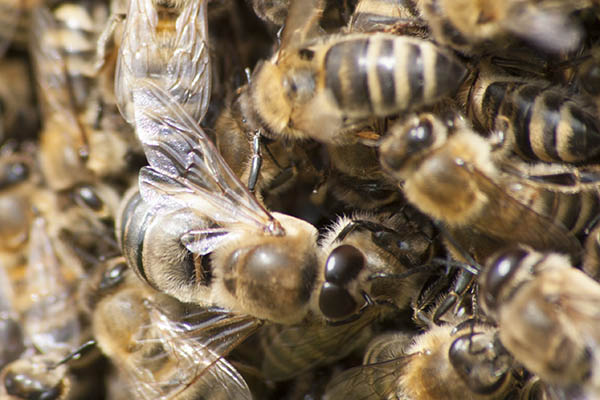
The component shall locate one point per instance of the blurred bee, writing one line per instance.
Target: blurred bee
(72, 149)
(195, 232)
(19, 117)
(534, 119)
(327, 88)
(446, 362)
(35, 377)
(15, 23)
(165, 41)
(547, 313)
(163, 348)
(472, 26)
(447, 173)
(44, 297)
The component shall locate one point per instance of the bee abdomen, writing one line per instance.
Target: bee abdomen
(546, 125)
(384, 74)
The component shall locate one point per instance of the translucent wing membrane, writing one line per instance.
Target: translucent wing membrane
(176, 57)
(186, 169)
(183, 358)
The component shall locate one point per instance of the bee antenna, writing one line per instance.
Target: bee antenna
(76, 354)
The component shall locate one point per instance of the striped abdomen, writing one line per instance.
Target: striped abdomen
(152, 246)
(543, 123)
(384, 74)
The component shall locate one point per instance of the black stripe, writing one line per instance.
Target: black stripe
(585, 138)
(552, 103)
(333, 63)
(449, 74)
(573, 208)
(491, 102)
(522, 101)
(415, 69)
(385, 74)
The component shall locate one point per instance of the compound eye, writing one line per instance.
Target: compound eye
(27, 387)
(13, 173)
(335, 302)
(498, 273)
(591, 81)
(420, 136)
(113, 276)
(344, 264)
(480, 361)
(87, 195)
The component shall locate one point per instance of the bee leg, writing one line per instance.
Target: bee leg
(77, 353)
(256, 162)
(461, 286)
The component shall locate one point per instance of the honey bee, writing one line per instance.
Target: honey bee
(72, 149)
(165, 41)
(447, 173)
(326, 88)
(535, 119)
(163, 348)
(472, 26)
(357, 248)
(445, 362)
(547, 315)
(195, 232)
(35, 377)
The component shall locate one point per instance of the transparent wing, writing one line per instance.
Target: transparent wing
(289, 350)
(368, 382)
(515, 222)
(52, 307)
(186, 169)
(189, 362)
(52, 76)
(177, 58)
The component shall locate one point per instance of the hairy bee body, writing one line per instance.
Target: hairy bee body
(319, 88)
(445, 362)
(379, 15)
(546, 313)
(448, 173)
(538, 121)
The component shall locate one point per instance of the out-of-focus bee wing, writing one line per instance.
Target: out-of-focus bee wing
(186, 169)
(530, 227)
(197, 345)
(50, 294)
(368, 382)
(312, 345)
(51, 73)
(549, 28)
(302, 22)
(185, 69)
(10, 14)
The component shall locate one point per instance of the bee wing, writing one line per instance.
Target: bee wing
(186, 169)
(302, 22)
(515, 222)
(196, 346)
(181, 60)
(368, 382)
(51, 295)
(314, 344)
(52, 77)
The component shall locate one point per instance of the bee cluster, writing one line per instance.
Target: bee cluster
(300, 199)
